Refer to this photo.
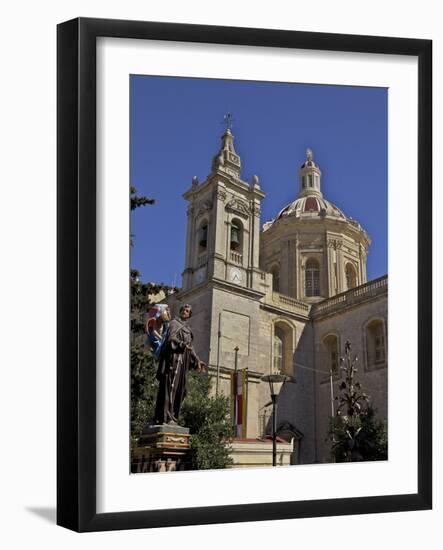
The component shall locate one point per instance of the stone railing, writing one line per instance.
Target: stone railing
(351, 297)
(289, 303)
(372, 286)
(236, 257)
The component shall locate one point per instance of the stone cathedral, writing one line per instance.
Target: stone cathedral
(282, 297)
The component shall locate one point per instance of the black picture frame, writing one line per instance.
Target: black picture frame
(76, 264)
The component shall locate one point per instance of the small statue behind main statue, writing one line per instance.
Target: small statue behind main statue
(157, 328)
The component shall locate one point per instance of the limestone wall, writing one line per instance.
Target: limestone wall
(348, 324)
(236, 322)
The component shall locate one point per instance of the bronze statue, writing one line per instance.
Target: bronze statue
(176, 358)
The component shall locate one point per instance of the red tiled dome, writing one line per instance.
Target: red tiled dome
(310, 206)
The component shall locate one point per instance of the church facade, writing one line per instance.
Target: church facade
(281, 298)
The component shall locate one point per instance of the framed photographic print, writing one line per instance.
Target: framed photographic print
(244, 274)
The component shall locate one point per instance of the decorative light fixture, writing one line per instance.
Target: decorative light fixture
(276, 382)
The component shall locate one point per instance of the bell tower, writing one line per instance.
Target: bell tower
(223, 228)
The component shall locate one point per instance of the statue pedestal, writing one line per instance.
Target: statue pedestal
(161, 448)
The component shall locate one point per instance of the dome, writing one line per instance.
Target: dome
(310, 207)
(311, 204)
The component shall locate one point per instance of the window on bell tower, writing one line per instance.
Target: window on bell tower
(312, 278)
(236, 236)
(203, 237)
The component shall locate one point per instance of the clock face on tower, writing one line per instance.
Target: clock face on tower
(235, 275)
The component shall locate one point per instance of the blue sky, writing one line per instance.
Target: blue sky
(176, 126)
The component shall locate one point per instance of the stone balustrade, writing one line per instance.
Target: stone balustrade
(351, 297)
(236, 257)
(289, 303)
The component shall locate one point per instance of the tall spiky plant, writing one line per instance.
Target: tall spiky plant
(355, 433)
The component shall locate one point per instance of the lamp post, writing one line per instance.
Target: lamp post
(276, 382)
(235, 419)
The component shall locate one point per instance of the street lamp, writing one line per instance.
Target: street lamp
(276, 382)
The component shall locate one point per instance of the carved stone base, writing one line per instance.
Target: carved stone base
(161, 448)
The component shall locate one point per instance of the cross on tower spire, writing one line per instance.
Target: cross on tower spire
(227, 160)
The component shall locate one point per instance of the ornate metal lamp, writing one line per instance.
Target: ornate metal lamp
(276, 382)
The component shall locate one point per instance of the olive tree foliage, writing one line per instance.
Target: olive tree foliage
(354, 432)
(208, 418)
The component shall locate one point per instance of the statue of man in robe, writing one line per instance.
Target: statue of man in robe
(177, 357)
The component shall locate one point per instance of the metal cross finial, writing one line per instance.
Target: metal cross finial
(228, 118)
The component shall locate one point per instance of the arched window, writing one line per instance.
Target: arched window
(331, 356)
(236, 236)
(278, 350)
(283, 350)
(312, 278)
(275, 279)
(203, 237)
(351, 276)
(375, 343)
